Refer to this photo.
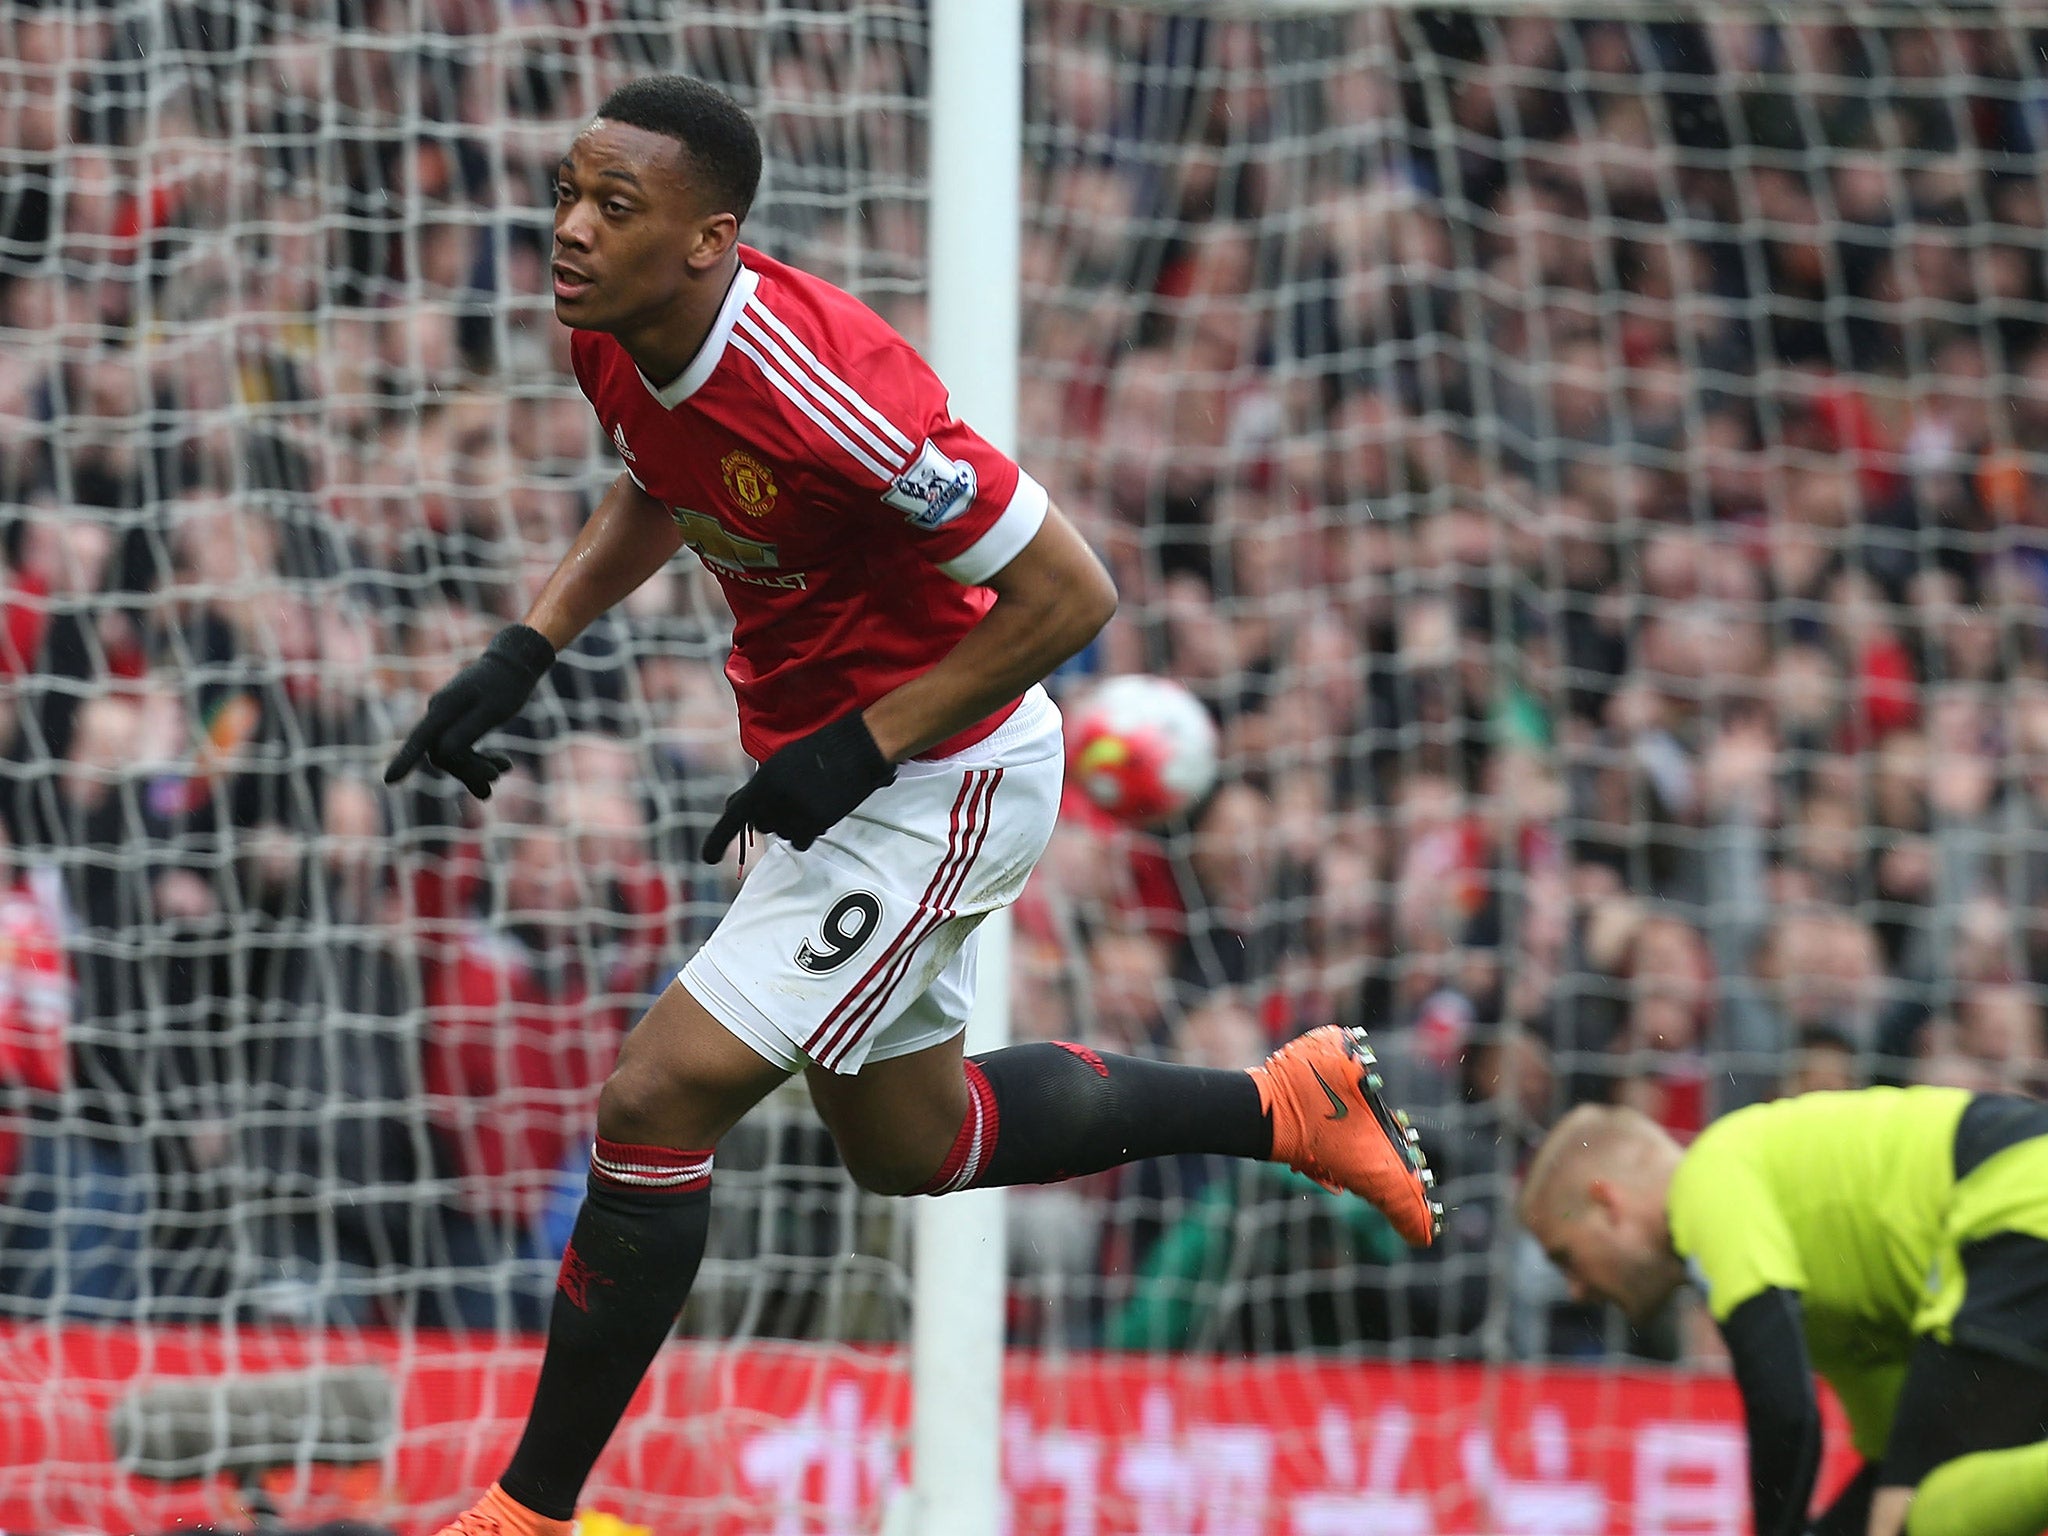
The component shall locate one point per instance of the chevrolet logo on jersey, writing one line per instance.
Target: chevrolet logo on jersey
(719, 545)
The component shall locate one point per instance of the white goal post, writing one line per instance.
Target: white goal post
(959, 1253)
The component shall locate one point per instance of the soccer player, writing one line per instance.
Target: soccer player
(1894, 1240)
(899, 589)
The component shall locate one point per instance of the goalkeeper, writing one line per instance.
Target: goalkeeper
(1894, 1240)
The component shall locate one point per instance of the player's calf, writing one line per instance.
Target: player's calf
(1056, 1110)
(681, 1082)
(1044, 1112)
(625, 1275)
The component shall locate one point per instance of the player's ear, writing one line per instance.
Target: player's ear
(1605, 1196)
(715, 234)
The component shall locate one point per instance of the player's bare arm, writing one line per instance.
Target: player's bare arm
(627, 539)
(1051, 600)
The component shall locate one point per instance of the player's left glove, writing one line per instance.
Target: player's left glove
(805, 787)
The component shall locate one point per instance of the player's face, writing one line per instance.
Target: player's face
(630, 230)
(1612, 1251)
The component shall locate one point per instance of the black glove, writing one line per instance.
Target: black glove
(481, 697)
(804, 788)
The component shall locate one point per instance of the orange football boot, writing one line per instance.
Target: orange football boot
(498, 1514)
(1330, 1122)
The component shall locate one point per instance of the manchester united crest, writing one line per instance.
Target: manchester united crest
(750, 482)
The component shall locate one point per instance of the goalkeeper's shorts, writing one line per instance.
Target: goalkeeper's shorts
(862, 947)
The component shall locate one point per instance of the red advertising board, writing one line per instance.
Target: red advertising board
(799, 1440)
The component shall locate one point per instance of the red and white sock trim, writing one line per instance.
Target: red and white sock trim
(663, 1170)
(975, 1145)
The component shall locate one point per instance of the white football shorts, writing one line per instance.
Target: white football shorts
(861, 947)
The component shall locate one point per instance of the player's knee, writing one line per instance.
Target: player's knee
(638, 1106)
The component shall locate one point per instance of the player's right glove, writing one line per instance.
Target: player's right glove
(481, 697)
(805, 787)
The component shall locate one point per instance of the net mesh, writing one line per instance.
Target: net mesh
(1592, 468)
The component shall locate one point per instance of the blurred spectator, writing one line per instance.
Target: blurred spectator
(342, 1238)
(1660, 1050)
(1823, 1060)
(521, 1036)
(1129, 990)
(125, 1178)
(1999, 1028)
(1229, 941)
(35, 1009)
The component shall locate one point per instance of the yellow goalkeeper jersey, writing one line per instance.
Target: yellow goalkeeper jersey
(1844, 1198)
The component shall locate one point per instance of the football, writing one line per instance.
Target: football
(1143, 748)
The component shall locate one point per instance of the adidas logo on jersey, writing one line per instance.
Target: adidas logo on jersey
(619, 437)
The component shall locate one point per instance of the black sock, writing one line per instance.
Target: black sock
(1043, 1112)
(625, 1275)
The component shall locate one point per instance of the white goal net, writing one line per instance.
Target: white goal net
(1589, 461)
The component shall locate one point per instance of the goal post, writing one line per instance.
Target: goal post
(959, 1268)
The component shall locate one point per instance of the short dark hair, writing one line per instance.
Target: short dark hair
(714, 130)
(1825, 1037)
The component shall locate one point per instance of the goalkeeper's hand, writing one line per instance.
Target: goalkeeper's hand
(481, 697)
(805, 787)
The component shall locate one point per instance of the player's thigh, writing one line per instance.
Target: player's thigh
(683, 1078)
(1958, 1400)
(824, 948)
(837, 954)
(895, 1120)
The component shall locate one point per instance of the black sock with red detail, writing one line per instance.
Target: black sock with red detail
(624, 1278)
(1043, 1112)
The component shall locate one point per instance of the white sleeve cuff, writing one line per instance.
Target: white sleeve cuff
(1006, 537)
(633, 477)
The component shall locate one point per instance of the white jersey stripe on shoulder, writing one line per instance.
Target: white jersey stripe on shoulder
(852, 396)
(758, 334)
(801, 401)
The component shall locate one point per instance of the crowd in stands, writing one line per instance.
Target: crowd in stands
(1597, 474)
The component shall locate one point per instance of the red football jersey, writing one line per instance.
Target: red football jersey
(808, 454)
